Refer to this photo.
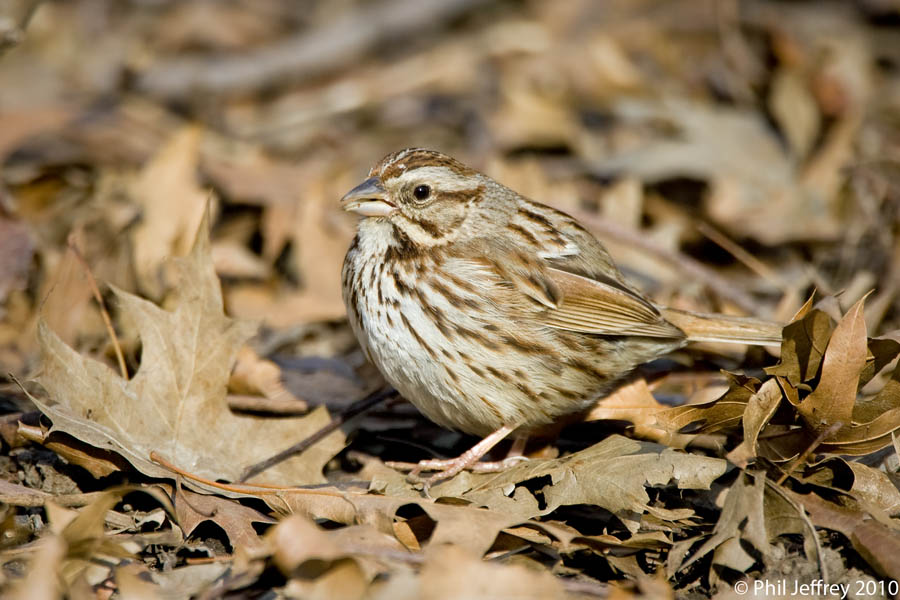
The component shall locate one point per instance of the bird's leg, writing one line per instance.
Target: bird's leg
(515, 455)
(450, 467)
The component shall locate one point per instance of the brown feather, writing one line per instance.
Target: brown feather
(592, 306)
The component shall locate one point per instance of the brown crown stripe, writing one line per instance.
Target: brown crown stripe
(398, 163)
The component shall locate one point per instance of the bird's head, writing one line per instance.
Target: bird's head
(427, 196)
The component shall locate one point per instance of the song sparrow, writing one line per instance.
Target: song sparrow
(493, 313)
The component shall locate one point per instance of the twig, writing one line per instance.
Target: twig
(311, 53)
(747, 259)
(261, 404)
(73, 246)
(693, 269)
(823, 435)
(351, 411)
(34, 499)
(251, 489)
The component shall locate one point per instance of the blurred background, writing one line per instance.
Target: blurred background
(734, 155)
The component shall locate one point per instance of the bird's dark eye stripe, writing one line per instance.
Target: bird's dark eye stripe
(421, 192)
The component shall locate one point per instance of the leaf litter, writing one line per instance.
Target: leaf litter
(736, 160)
(175, 404)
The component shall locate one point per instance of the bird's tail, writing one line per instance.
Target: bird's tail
(701, 327)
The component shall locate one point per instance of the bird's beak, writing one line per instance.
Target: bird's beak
(368, 199)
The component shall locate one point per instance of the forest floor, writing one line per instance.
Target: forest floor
(170, 297)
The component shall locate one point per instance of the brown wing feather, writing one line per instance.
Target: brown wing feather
(592, 306)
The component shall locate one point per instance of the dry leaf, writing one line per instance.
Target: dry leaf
(97, 461)
(871, 487)
(469, 526)
(36, 585)
(135, 583)
(611, 474)
(755, 512)
(173, 206)
(16, 250)
(452, 572)
(255, 375)
(845, 357)
(708, 417)
(878, 544)
(760, 408)
(794, 108)
(742, 518)
(233, 517)
(802, 347)
(175, 404)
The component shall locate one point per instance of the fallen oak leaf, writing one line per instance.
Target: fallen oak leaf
(878, 544)
(870, 487)
(234, 518)
(845, 357)
(97, 461)
(755, 512)
(760, 408)
(868, 424)
(253, 375)
(742, 518)
(635, 403)
(882, 351)
(176, 402)
(859, 440)
(803, 346)
(707, 417)
(611, 474)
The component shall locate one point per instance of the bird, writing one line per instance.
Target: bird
(495, 314)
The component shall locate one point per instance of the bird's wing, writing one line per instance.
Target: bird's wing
(603, 307)
(564, 300)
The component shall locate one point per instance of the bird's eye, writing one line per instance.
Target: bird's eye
(422, 192)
